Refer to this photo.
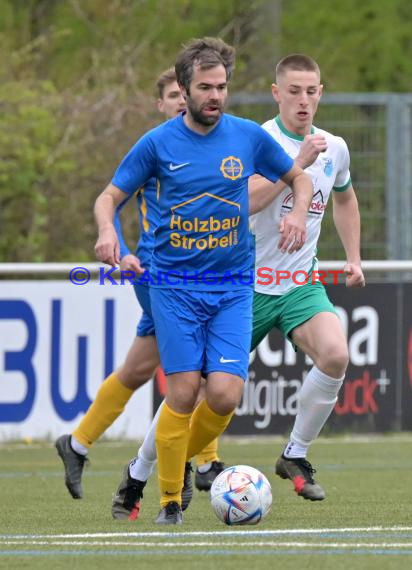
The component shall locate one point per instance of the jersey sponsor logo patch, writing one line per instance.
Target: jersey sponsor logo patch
(317, 206)
(231, 167)
(191, 228)
(177, 166)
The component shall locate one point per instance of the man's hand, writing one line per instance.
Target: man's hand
(354, 275)
(107, 247)
(293, 232)
(131, 263)
(311, 147)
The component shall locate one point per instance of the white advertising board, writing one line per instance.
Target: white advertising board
(58, 341)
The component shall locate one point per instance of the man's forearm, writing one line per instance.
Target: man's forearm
(262, 192)
(107, 246)
(302, 192)
(104, 211)
(347, 222)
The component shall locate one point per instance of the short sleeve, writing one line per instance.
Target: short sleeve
(137, 166)
(271, 160)
(343, 179)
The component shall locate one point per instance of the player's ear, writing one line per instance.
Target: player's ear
(320, 91)
(275, 92)
(160, 105)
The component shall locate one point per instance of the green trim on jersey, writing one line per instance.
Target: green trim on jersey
(288, 311)
(291, 135)
(344, 187)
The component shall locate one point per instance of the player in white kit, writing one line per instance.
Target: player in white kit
(303, 312)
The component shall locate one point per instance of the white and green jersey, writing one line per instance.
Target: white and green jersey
(330, 171)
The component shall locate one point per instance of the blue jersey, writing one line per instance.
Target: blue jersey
(202, 240)
(148, 209)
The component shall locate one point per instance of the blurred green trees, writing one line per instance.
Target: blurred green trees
(76, 90)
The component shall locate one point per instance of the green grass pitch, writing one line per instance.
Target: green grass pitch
(365, 521)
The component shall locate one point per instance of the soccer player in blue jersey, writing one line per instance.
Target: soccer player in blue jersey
(200, 275)
(142, 358)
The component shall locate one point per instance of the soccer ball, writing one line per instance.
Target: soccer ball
(241, 495)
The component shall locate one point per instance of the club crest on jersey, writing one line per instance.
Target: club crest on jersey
(327, 166)
(231, 167)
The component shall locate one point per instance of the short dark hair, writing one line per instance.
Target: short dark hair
(165, 79)
(296, 62)
(205, 53)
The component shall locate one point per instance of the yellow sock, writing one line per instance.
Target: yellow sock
(107, 406)
(172, 434)
(205, 426)
(208, 453)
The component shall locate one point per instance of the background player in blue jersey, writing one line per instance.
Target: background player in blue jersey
(201, 287)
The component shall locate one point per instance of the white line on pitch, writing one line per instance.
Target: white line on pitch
(158, 544)
(223, 533)
(239, 440)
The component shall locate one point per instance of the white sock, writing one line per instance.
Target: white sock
(293, 450)
(78, 447)
(316, 400)
(141, 467)
(204, 468)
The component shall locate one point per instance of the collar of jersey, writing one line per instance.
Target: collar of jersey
(184, 127)
(291, 135)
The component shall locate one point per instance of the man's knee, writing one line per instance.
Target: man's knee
(135, 375)
(334, 360)
(182, 397)
(224, 401)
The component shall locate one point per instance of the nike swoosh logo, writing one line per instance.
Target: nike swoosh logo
(224, 360)
(177, 166)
